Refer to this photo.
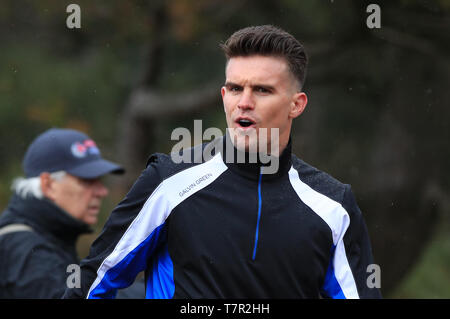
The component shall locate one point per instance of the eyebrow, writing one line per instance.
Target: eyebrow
(265, 86)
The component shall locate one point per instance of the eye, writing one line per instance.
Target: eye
(231, 87)
(88, 181)
(261, 89)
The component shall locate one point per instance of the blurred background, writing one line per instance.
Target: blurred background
(378, 114)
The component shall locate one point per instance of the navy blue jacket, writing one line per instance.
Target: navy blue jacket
(215, 229)
(33, 264)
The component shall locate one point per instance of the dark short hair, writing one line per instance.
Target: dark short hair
(268, 40)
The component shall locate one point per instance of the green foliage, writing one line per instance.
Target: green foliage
(39, 90)
(53, 76)
(430, 278)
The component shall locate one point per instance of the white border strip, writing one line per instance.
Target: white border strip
(338, 220)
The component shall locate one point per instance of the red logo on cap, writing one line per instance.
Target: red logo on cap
(82, 149)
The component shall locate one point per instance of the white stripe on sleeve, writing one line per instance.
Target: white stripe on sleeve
(338, 220)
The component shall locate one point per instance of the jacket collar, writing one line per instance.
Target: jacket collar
(46, 218)
(251, 167)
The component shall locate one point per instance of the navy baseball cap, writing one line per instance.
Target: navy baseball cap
(66, 150)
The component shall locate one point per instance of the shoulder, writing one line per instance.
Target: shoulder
(327, 185)
(160, 167)
(164, 165)
(30, 266)
(320, 181)
(23, 242)
(25, 249)
(167, 165)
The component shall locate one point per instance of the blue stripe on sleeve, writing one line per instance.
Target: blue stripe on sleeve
(331, 285)
(123, 273)
(160, 284)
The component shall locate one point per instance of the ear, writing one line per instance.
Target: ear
(222, 92)
(47, 185)
(298, 104)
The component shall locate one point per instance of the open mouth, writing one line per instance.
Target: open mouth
(245, 122)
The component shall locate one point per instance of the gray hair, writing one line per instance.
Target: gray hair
(31, 187)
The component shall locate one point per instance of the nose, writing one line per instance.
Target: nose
(246, 100)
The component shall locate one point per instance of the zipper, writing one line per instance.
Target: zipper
(259, 215)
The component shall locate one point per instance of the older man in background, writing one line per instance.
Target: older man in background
(58, 200)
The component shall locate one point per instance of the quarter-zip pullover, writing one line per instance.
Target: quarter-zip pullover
(221, 229)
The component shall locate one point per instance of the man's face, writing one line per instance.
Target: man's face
(81, 198)
(260, 92)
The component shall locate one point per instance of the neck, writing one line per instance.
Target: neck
(254, 164)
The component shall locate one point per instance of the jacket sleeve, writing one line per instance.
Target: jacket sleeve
(348, 272)
(133, 232)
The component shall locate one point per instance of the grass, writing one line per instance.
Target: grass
(430, 277)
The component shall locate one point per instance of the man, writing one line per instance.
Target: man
(57, 201)
(227, 228)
